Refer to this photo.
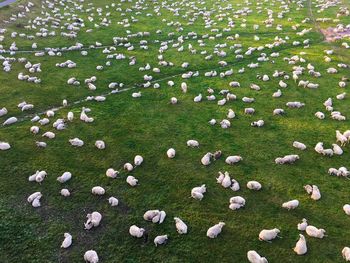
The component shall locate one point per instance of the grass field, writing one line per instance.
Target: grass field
(150, 125)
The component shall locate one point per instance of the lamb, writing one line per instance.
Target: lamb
(91, 256)
(100, 145)
(206, 159)
(236, 202)
(341, 138)
(49, 135)
(277, 94)
(226, 181)
(254, 257)
(300, 247)
(4, 146)
(212, 122)
(34, 199)
(327, 152)
(295, 104)
(215, 230)
(136, 231)
(197, 192)
(258, 123)
(278, 112)
(111, 173)
(254, 185)
(10, 121)
(316, 194)
(39, 176)
(346, 209)
(288, 159)
(67, 242)
(225, 124)
(299, 145)
(113, 201)
(66, 176)
(93, 220)
(128, 167)
(315, 232)
(268, 234)
(181, 227)
(65, 192)
(138, 160)
(233, 159)
(131, 180)
(198, 98)
(302, 226)
(171, 153)
(98, 190)
(76, 142)
(291, 204)
(337, 149)
(192, 143)
(249, 110)
(346, 253)
(320, 115)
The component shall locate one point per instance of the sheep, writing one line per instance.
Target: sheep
(315, 232)
(100, 145)
(291, 204)
(327, 152)
(248, 100)
(215, 230)
(113, 201)
(131, 180)
(34, 196)
(320, 115)
(258, 123)
(10, 121)
(135, 231)
(288, 159)
(233, 159)
(341, 96)
(226, 181)
(76, 142)
(173, 100)
(299, 145)
(346, 253)
(249, 111)
(39, 176)
(138, 160)
(65, 192)
(212, 122)
(49, 135)
(206, 159)
(316, 194)
(341, 138)
(198, 98)
(302, 226)
(295, 104)
(93, 220)
(66, 176)
(300, 247)
(235, 185)
(91, 256)
(254, 257)
(4, 146)
(98, 190)
(254, 185)
(3, 111)
(268, 234)
(197, 192)
(231, 114)
(128, 167)
(70, 116)
(111, 173)
(192, 143)
(67, 242)
(41, 144)
(277, 94)
(278, 112)
(171, 153)
(236, 202)
(346, 209)
(225, 124)
(181, 227)
(159, 240)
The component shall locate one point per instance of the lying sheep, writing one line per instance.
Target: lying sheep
(76, 142)
(268, 234)
(34, 199)
(93, 220)
(254, 185)
(113, 201)
(346, 209)
(206, 159)
(302, 226)
(132, 181)
(4, 146)
(91, 256)
(65, 192)
(100, 145)
(320, 115)
(315, 232)
(299, 145)
(136, 231)
(233, 159)
(138, 160)
(67, 242)
(159, 240)
(128, 167)
(254, 257)
(181, 227)
(197, 192)
(300, 247)
(215, 230)
(64, 177)
(288, 159)
(98, 190)
(171, 153)
(346, 253)
(291, 204)
(192, 143)
(111, 173)
(236, 202)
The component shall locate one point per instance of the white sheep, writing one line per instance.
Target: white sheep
(302, 226)
(215, 230)
(320, 115)
(49, 135)
(100, 144)
(233, 159)
(10, 121)
(258, 123)
(299, 145)
(128, 167)
(159, 240)
(291, 204)
(181, 227)
(65, 192)
(76, 142)
(113, 201)
(64, 177)
(315, 232)
(171, 153)
(288, 159)
(236, 202)
(93, 220)
(98, 190)
(197, 192)
(4, 146)
(254, 257)
(254, 185)
(268, 234)
(206, 159)
(346, 253)
(346, 209)
(300, 247)
(192, 143)
(138, 160)
(337, 149)
(111, 173)
(136, 231)
(91, 256)
(131, 180)
(67, 242)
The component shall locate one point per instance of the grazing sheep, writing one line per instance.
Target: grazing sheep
(337, 149)
(171, 153)
(288, 159)
(138, 160)
(64, 177)
(249, 111)
(277, 94)
(197, 192)
(291, 204)
(315, 232)
(206, 159)
(300, 247)
(233, 159)
(10, 121)
(128, 167)
(49, 135)
(91, 256)
(111, 173)
(295, 104)
(4, 146)
(100, 144)
(3, 111)
(113, 201)
(181, 227)
(346, 253)
(278, 112)
(136, 231)
(215, 230)
(159, 240)
(299, 145)
(268, 234)
(98, 190)
(254, 185)
(131, 180)
(254, 257)
(65, 192)
(93, 220)
(192, 143)
(258, 123)
(67, 242)
(41, 144)
(76, 142)
(302, 226)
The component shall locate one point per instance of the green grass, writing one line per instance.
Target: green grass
(150, 125)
